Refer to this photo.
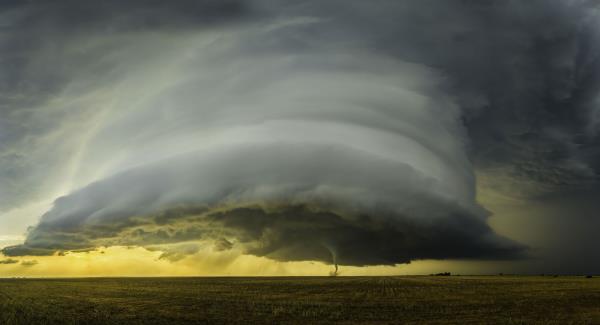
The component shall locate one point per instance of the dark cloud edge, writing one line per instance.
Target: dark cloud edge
(304, 233)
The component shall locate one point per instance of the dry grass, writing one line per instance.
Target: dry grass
(307, 300)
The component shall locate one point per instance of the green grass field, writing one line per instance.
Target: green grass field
(306, 300)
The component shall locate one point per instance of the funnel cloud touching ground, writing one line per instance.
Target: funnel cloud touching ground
(337, 131)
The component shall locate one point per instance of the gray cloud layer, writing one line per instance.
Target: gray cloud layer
(312, 202)
(304, 130)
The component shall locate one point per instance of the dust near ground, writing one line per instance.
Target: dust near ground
(303, 300)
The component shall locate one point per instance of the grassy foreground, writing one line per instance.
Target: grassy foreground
(305, 300)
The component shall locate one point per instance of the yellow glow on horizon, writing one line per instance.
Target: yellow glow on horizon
(123, 261)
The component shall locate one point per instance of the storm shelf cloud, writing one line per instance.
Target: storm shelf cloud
(347, 132)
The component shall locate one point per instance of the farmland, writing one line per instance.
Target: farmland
(303, 300)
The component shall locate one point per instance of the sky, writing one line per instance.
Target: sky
(279, 137)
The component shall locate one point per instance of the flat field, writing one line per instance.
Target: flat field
(303, 300)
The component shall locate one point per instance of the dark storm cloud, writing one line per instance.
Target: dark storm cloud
(303, 130)
(117, 16)
(526, 73)
(297, 233)
(320, 206)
